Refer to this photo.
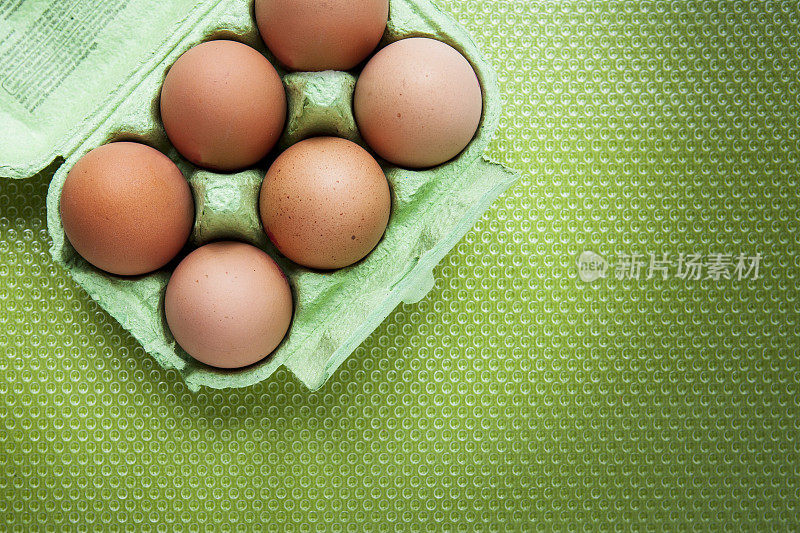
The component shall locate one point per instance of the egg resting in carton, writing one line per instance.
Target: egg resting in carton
(334, 311)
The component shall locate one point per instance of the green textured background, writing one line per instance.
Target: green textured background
(515, 396)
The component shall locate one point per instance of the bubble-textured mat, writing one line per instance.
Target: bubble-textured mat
(614, 347)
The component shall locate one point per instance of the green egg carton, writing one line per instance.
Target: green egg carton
(111, 92)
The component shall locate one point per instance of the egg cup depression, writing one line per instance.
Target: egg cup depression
(334, 311)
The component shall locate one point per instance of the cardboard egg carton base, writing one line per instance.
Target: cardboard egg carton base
(334, 311)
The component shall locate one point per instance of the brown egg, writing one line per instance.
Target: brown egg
(228, 304)
(223, 105)
(325, 203)
(418, 103)
(313, 35)
(126, 208)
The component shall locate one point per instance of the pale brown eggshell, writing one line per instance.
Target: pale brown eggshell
(126, 208)
(223, 105)
(228, 304)
(314, 35)
(325, 203)
(418, 103)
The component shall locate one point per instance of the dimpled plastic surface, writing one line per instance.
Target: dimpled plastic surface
(514, 397)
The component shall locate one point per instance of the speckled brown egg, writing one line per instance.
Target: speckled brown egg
(223, 105)
(126, 208)
(418, 103)
(313, 35)
(325, 203)
(228, 304)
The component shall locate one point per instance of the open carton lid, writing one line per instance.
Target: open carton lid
(65, 66)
